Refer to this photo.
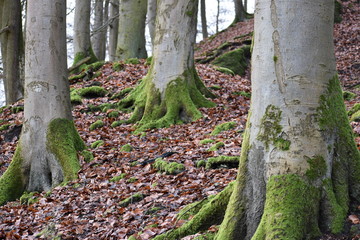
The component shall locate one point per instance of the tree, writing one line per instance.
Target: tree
(99, 35)
(203, 19)
(131, 35)
(82, 43)
(299, 166)
(12, 49)
(167, 97)
(113, 28)
(46, 154)
(240, 12)
(151, 17)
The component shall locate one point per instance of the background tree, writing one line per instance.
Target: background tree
(100, 30)
(151, 17)
(113, 28)
(131, 35)
(12, 49)
(203, 19)
(82, 43)
(46, 154)
(240, 12)
(167, 97)
(299, 166)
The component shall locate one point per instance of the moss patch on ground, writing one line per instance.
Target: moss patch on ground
(216, 146)
(236, 60)
(97, 124)
(168, 167)
(223, 127)
(227, 161)
(137, 197)
(92, 92)
(126, 148)
(97, 144)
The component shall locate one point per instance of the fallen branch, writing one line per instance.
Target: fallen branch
(79, 63)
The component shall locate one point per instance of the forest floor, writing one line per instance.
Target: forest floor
(89, 208)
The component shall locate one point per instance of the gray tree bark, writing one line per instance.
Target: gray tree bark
(299, 160)
(203, 19)
(131, 35)
(99, 36)
(240, 12)
(12, 50)
(46, 153)
(82, 42)
(151, 17)
(113, 28)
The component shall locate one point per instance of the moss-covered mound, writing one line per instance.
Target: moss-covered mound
(92, 92)
(236, 60)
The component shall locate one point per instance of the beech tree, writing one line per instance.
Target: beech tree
(46, 154)
(299, 167)
(99, 35)
(203, 19)
(131, 35)
(12, 49)
(172, 90)
(82, 42)
(240, 11)
(113, 28)
(151, 17)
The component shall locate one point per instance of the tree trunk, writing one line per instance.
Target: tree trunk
(151, 17)
(99, 36)
(217, 16)
(113, 28)
(240, 12)
(203, 19)
(12, 49)
(46, 154)
(167, 97)
(82, 43)
(299, 164)
(131, 35)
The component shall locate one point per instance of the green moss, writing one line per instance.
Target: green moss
(201, 163)
(149, 60)
(64, 142)
(29, 198)
(206, 141)
(118, 178)
(285, 214)
(223, 127)
(282, 144)
(77, 76)
(75, 98)
(229, 161)
(355, 117)
(236, 60)
(132, 61)
(49, 232)
(97, 144)
(348, 95)
(216, 146)
(4, 127)
(118, 66)
(243, 93)
(97, 124)
(215, 87)
(80, 56)
(354, 109)
(12, 182)
(210, 213)
(317, 167)
(167, 167)
(122, 93)
(132, 180)
(126, 148)
(116, 124)
(270, 126)
(92, 92)
(193, 208)
(275, 58)
(17, 109)
(113, 114)
(88, 156)
(224, 70)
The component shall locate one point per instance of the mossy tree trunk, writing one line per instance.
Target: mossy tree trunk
(82, 43)
(172, 91)
(46, 154)
(12, 49)
(131, 35)
(299, 167)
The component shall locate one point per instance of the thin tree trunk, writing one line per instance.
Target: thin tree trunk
(113, 28)
(151, 17)
(46, 153)
(12, 50)
(203, 19)
(82, 43)
(131, 35)
(98, 36)
(240, 13)
(217, 16)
